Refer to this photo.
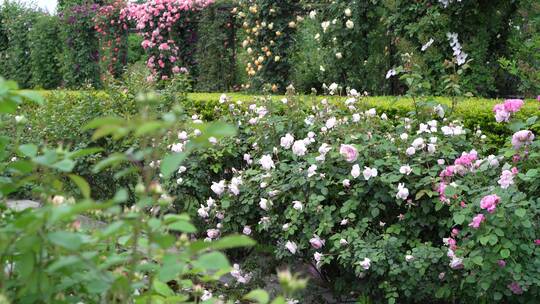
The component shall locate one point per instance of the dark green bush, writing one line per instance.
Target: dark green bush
(45, 52)
(216, 52)
(17, 20)
(81, 46)
(268, 28)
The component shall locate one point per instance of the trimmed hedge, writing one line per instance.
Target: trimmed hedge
(60, 121)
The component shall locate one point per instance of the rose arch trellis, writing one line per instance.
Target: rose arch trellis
(166, 26)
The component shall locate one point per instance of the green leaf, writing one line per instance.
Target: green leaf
(258, 295)
(148, 127)
(68, 240)
(32, 96)
(520, 212)
(450, 191)
(459, 218)
(111, 161)
(212, 261)
(182, 226)
(478, 260)
(171, 163)
(162, 288)
(103, 121)
(29, 150)
(84, 152)
(232, 241)
(505, 253)
(65, 165)
(279, 300)
(82, 184)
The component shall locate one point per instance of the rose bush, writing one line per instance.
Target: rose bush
(395, 208)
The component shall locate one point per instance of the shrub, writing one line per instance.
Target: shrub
(268, 26)
(81, 52)
(357, 193)
(59, 122)
(112, 28)
(216, 48)
(45, 52)
(17, 21)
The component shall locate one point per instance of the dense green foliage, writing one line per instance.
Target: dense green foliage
(268, 44)
(81, 46)
(216, 49)
(45, 52)
(16, 22)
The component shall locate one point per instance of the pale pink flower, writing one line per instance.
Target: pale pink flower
(490, 202)
(316, 242)
(477, 220)
(349, 152)
(521, 138)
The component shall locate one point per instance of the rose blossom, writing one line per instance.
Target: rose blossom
(523, 137)
(291, 246)
(477, 220)
(490, 202)
(355, 172)
(369, 173)
(403, 192)
(316, 242)
(349, 152)
(405, 169)
(299, 148)
(506, 179)
(266, 162)
(287, 141)
(366, 263)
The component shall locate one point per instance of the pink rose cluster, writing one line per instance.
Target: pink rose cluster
(461, 165)
(155, 20)
(503, 111)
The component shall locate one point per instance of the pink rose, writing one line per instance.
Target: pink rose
(490, 202)
(523, 137)
(349, 152)
(513, 105)
(477, 220)
(316, 242)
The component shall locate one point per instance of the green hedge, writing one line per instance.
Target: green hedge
(60, 121)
